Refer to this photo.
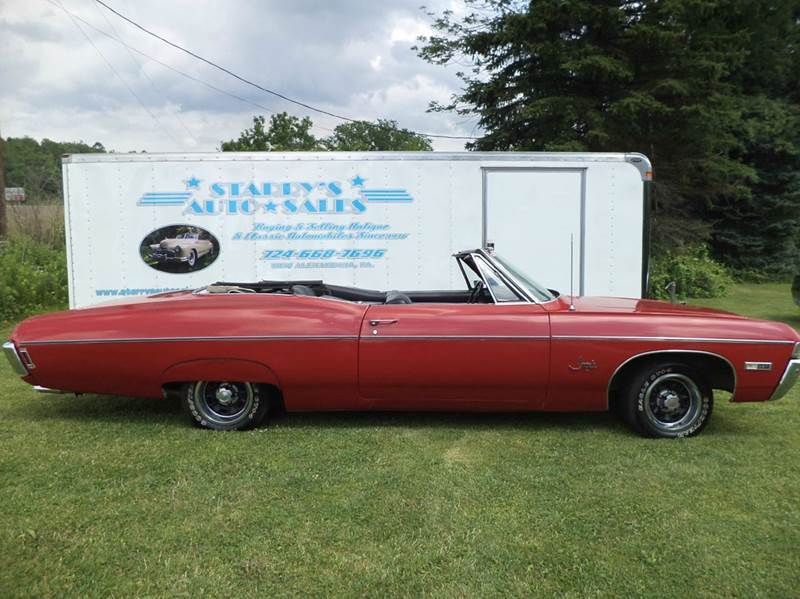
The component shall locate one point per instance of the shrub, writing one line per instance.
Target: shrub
(695, 273)
(33, 277)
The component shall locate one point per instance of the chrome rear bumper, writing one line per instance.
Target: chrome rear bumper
(789, 378)
(13, 358)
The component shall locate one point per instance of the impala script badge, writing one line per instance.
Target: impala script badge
(583, 365)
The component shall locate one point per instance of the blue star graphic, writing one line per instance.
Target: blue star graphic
(270, 207)
(193, 183)
(357, 181)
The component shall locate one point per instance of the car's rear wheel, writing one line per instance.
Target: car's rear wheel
(667, 399)
(192, 258)
(224, 405)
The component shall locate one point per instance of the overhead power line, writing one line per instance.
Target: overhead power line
(256, 85)
(116, 73)
(144, 73)
(242, 99)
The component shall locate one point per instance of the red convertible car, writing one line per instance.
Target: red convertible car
(234, 351)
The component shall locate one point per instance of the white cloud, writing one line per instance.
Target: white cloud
(407, 30)
(351, 57)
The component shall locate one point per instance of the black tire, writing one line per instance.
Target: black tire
(192, 259)
(667, 399)
(224, 405)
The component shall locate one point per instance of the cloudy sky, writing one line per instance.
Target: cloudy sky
(350, 57)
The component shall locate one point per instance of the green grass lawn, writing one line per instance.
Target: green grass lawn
(112, 496)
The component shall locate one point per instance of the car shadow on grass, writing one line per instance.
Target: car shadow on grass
(528, 421)
(96, 408)
(567, 422)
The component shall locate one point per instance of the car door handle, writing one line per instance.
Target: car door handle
(375, 323)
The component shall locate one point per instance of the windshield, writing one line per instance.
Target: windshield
(535, 289)
(497, 287)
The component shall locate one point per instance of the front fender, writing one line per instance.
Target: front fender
(220, 369)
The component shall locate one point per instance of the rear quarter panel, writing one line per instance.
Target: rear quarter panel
(308, 345)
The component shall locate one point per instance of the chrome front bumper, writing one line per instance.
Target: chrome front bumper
(171, 258)
(13, 358)
(166, 256)
(789, 378)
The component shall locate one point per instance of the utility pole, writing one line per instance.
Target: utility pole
(3, 221)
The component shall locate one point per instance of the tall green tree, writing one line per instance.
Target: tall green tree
(758, 232)
(285, 133)
(381, 136)
(663, 78)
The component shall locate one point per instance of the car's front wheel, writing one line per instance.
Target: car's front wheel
(192, 258)
(224, 405)
(667, 399)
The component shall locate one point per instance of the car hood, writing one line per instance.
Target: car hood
(644, 306)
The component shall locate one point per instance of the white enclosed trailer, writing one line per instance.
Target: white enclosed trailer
(143, 223)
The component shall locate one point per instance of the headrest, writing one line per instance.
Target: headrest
(302, 290)
(395, 297)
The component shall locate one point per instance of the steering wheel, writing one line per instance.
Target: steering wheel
(475, 292)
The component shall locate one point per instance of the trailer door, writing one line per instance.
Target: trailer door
(529, 215)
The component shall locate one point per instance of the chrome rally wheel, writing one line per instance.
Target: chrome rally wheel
(672, 401)
(224, 405)
(668, 400)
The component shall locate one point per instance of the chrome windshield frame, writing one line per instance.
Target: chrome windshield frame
(483, 265)
(507, 278)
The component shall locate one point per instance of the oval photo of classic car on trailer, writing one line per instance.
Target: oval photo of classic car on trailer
(179, 249)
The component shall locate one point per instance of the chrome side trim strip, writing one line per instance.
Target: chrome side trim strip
(179, 339)
(456, 337)
(13, 358)
(289, 338)
(351, 337)
(789, 378)
(672, 339)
